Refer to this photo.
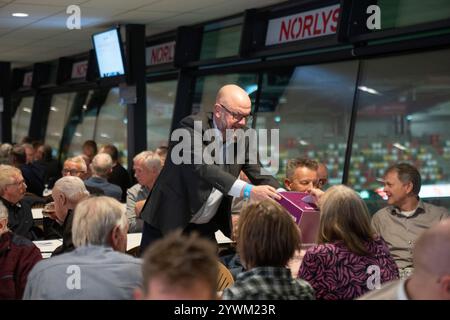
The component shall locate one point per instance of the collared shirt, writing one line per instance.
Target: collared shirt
(268, 283)
(20, 218)
(87, 273)
(401, 232)
(134, 194)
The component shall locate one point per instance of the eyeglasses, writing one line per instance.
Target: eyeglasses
(17, 183)
(72, 172)
(238, 117)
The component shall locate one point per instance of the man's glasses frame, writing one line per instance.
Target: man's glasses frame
(238, 117)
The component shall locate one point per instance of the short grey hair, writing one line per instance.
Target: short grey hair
(101, 164)
(94, 218)
(295, 163)
(7, 173)
(72, 187)
(141, 155)
(5, 150)
(78, 160)
(151, 161)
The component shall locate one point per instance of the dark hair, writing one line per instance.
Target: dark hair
(267, 235)
(178, 260)
(18, 155)
(112, 151)
(407, 173)
(295, 163)
(90, 144)
(47, 153)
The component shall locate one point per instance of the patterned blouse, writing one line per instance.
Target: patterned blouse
(336, 273)
(268, 283)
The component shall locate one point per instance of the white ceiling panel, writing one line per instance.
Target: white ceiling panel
(44, 35)
(35, 11)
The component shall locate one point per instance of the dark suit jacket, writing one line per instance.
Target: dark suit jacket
(181, 190)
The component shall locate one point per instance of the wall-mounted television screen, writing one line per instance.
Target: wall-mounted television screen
(108, 49)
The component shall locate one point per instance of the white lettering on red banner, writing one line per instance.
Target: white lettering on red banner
(79, 69)
(305, 25)
(161, 53)
(27, 79)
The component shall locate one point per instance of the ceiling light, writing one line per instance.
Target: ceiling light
(369, 90)
(20, 14)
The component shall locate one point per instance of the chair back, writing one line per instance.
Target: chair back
(225, 279)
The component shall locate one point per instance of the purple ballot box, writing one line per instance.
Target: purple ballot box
(305, 213)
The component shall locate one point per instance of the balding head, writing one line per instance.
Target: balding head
(431, 275)
(101, 165)
(432, 250)
(232, 106)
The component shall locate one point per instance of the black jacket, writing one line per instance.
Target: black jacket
(181, 190)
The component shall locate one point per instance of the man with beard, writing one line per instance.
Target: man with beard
(195, 195)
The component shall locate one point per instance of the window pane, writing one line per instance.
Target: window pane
(112, 124)
(311, 107)
(57, 118)
(401, 13)
(221, 43)
(206, 88)
(21, 119)
(160, 103)
(81, 124)
(403, 115)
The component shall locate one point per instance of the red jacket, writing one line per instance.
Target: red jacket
(18, 256)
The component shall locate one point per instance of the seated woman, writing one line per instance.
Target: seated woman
(267, 239)
(350, 258)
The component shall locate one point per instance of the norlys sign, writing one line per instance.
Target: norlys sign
(191, 148)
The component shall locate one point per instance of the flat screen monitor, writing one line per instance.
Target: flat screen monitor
(109, 53)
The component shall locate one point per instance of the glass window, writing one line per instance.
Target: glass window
(206, 88)
(112, 124)
(401, 13)
(59, 112)
(160, 103)
(403, 115)
(81, 123)
(221, 43)
(22, 118)
(311, 107)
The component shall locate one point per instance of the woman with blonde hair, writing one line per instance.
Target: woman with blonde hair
(350, 258)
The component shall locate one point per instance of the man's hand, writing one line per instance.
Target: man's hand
(263, 192)
(138, 208)
(317, 194)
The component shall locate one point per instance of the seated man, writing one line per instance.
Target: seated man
(180, 267)
(430, 279)
(322, 175)
(301, 175)
(101, 166)
(406, 217)
(119, 175)
(98, 267)
(32, 173)
(12, 191)
(147, 166)
(76, 167)
(67, 193)
(18, 255)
